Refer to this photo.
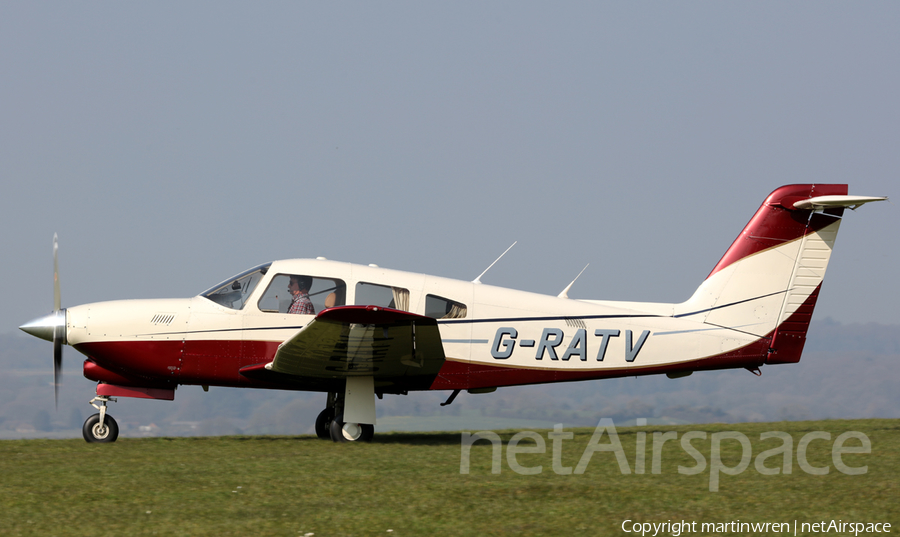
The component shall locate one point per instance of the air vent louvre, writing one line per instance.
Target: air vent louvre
(163, 318)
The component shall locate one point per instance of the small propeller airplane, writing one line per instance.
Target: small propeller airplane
(358, 332)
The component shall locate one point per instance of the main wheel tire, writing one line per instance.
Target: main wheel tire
(323, 423)
(94, 431)
(351, 432)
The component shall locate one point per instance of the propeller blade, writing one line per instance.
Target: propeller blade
(57, 366)
(56, 297)
(59, 331)
(52, 327)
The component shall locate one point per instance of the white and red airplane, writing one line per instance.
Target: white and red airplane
(365, 331)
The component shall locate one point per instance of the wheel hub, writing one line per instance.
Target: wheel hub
(100, 430)
(351, 431)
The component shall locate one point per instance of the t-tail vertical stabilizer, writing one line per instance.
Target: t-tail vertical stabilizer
(768, 281)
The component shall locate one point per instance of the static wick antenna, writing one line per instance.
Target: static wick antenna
(478, 279)
(565, 292)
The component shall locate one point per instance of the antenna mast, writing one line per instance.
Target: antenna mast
(565, 292)
(478, 279)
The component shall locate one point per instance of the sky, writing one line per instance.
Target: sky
(174, 144)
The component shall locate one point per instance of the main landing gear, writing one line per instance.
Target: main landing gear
(351, 432)
(324, 419)
(100, 427)
(330, 424)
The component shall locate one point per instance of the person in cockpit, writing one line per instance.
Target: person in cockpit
(299, 289)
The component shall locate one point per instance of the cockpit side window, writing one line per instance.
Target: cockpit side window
(322, 293)
(372, 294)
(444, 308)
(233, 292)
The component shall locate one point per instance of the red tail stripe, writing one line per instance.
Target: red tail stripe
(777, 222)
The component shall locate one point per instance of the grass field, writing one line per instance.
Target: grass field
(410, 484)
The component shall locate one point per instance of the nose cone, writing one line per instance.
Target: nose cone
(44, 327)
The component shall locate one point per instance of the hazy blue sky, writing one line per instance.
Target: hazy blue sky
(172, 145)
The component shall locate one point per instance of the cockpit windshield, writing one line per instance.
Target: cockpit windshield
(233, 292)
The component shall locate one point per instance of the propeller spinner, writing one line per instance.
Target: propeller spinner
(52, 327)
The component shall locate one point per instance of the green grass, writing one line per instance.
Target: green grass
(411, 483)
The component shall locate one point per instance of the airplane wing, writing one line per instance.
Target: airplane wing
(358, 341)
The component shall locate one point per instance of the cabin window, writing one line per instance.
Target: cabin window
(233, 292)
(371, 294)
(444, 308)
(323, 293)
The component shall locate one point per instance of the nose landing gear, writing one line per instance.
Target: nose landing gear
(100, 427)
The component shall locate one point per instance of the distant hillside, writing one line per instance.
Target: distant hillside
(831, 336)
(847, 371)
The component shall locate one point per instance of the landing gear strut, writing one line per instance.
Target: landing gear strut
(100, 427)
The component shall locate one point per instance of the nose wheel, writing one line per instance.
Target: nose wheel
(101, 427)
(96, 431)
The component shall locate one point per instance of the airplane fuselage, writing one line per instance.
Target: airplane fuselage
(506, 337)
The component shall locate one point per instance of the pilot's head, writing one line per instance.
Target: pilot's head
(299, 283)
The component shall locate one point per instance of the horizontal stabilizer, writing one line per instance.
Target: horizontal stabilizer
(828, 202)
